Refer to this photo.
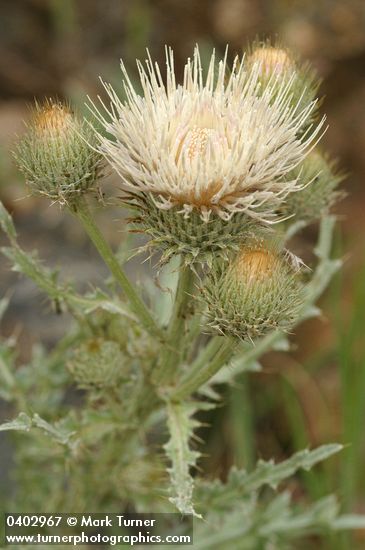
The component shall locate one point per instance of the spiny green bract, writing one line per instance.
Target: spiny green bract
(257, 292)
(319, 193)
(55, 155)
(97, 363)
(195, 239)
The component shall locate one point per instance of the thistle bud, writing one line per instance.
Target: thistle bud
(278, 68)
(97, 364)
(320, 181)
(259, 291)
(55, 155)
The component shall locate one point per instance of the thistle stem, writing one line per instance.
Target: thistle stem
(6, 374)
(209, 361)
(326, 267)
(176, 330)
(82, 212)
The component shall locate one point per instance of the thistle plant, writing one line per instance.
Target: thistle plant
(217, 173)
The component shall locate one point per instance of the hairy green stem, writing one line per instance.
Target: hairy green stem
(260, 346)
(10, 382)
(211, 359)
(293, 229)
(326, 267)
(82, 212)
(173, 351)
(6, 374)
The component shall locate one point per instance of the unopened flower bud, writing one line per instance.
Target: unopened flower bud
(97, 364)
(320, 181)
(279, 68)
(259, 291)
(272, 60)
(55, 155)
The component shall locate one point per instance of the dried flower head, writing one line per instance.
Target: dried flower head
(257, 292)
(55, 156)
(216, 145)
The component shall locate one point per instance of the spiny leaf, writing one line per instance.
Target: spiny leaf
(290, 523)
(25, 423)
(229, 372)
(29, 264)
(56, 432)
(240, 483)
(100, 300)
(46, 279)
(268, 473)
(21, 423)
(226, 375)
(181, 426)
(273, 524)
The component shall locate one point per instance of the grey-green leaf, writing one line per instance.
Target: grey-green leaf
(21, 423)
(181, 425)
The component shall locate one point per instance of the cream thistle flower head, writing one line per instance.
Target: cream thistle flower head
(217, 146)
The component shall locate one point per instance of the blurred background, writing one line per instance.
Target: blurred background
(58, 48)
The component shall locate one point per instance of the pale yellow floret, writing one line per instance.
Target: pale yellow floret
(52, 117)
(256, 265)
(272, 60)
